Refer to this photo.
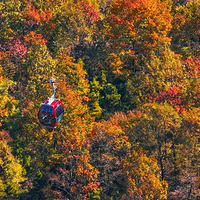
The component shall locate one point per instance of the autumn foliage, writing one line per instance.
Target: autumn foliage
(127, 72)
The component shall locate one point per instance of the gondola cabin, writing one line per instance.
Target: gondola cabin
(51, 112)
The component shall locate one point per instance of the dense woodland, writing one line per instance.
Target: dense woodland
(128, 73)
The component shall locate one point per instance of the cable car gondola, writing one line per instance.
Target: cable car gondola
(51, 111)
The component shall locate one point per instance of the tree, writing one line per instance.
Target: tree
(12, 173)
(124, 170)
(133, 19)
(104, 97)
(185, 31)
(170, 136)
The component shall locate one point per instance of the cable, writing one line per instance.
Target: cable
(130, 84)
(137, 83)
(118, 85)
(106, 76)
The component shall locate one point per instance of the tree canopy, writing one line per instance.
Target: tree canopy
(128, 74)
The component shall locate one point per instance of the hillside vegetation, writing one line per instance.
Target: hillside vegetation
(128, 74)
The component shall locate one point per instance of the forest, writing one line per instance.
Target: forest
(128, 74)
